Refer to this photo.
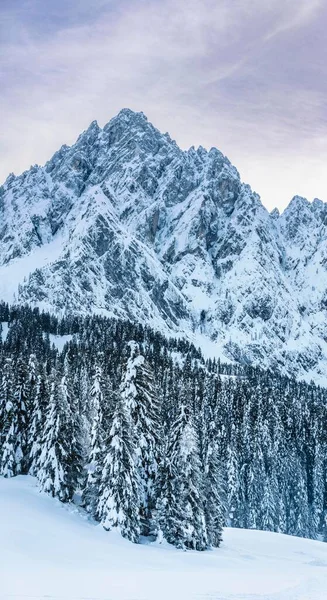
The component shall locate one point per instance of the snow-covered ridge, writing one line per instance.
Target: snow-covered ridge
(125, 223)
(59, 554)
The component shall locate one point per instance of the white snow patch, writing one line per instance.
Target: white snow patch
(49, 550)
(19, 269)
(4, 330)
(59, 341)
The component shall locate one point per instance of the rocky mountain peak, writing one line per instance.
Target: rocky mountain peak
(275, 214)
(126, 223)
(130, 116)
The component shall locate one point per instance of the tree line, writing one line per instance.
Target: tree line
(152, 439)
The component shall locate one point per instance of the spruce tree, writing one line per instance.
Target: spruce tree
(40, 408)
(74, 425)
(139, 390)
(13, 416)
(6, 398)
(90, 492)
(22, 407)
(297, 507)
(318, 491)
(233, 482)
(54, 468)
(214, 492)
(181, 512)
(119, 501)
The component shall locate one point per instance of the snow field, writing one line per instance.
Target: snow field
(52, 550)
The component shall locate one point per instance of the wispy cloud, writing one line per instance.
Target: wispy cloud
(245, 75)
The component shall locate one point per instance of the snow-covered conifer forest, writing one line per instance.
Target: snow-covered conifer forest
(152, 439)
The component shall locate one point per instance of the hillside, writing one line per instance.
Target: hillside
(49, 550)
(251, 445)
(125, 223)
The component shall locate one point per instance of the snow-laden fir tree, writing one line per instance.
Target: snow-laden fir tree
(269, 501)
(233, 481)
(298, 509)
(6, 398)
(14, 419)
(139, 389)
(214, 492)
(180, 507)
(317, 492)
(39, 409)
(90, 492)
(74, 425)
(22, 404)
(8, 457)
(256, 478)
(119, 500)
(32, 371)
(54, 469)
(8, 422)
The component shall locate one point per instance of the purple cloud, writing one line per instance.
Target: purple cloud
(246, 76)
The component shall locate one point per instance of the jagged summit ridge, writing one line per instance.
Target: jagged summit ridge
(126, 223)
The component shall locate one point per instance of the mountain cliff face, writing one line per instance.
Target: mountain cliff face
(126, 223)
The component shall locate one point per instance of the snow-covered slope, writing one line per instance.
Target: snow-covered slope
(48, 550)
(126, 223)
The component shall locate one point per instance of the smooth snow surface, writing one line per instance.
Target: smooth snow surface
(48, 550)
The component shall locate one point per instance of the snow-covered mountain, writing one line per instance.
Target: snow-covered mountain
(126, 223)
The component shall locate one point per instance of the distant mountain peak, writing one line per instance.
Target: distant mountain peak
(131, 115)
(275, 214)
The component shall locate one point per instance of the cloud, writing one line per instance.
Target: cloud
(235, 74)
(295, 17)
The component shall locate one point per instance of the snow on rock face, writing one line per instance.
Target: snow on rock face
(126, 223)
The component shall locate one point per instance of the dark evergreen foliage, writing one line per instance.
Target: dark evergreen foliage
(157, 440)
